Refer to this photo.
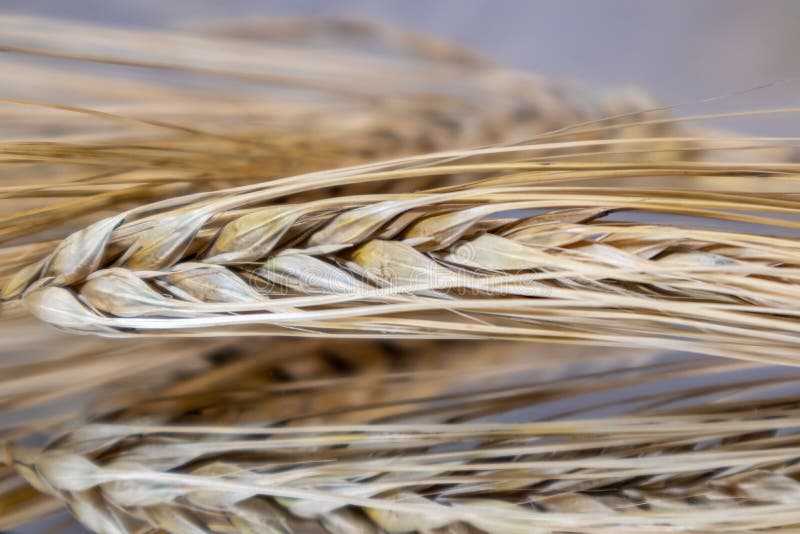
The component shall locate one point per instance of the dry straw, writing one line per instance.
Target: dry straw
(193, 196)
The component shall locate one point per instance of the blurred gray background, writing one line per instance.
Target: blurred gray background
(683, 51)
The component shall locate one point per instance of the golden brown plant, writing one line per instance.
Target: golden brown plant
(231, 186)
(465, 261)
(435, 450)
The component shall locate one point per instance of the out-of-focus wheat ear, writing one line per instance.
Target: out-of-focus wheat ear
(89, 138)
(302, 377)
(691, 458)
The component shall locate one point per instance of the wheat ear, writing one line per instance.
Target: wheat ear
(196, 377)
(395, 465)
(441, 263)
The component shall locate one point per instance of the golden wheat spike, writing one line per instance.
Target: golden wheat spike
(427, 452)
(247, 379)
(441, 263)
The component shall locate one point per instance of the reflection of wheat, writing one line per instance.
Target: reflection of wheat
(537, 241)
(367, 470)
